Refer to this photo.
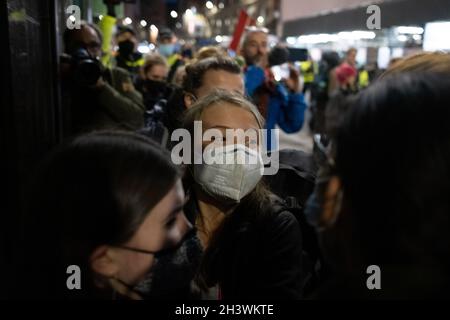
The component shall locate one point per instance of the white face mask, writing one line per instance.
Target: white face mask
(230, 172)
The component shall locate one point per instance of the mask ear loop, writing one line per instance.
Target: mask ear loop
(128, 292)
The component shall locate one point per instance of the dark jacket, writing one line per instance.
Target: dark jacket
(256, 255)
(116, 105)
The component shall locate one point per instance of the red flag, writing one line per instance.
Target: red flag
(243, 21)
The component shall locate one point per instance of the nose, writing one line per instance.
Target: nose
(185, 226)
(261, 49)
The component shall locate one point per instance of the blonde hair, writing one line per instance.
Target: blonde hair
(208, 52)
(422, 62)
(152, 60)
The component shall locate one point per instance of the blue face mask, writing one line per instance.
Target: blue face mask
(166, 49)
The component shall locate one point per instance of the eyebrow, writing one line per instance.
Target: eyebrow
(226, 127)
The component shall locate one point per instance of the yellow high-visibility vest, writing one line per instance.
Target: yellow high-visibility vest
(307, 69)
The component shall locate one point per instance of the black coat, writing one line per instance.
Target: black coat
(256, 255)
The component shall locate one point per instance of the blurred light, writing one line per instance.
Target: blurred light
(276, 14)
(189, 13)
(260, 19)
(318, 38)
(384, 57)
(127, 21)
(410, 30)
(219, 23)
(100, 17)
(219, 39)
(227, 22)
(417, 37)
(364, 34)
(291, 40)
(436, 36)
(143, 23)
(221, 5)
(142, 48)
(72, 18)
(178, 25)
(402, 38)
(356, 35)
(397, 53)
(173, 14)
(151, 46)
(316, 54)
(209, 5)
(214, 10)
(153, 28)
(361, 56)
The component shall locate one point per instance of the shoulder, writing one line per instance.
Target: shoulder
(280, 219)
(120, 72)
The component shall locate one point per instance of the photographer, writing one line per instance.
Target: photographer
(100, 98)
(278, 96)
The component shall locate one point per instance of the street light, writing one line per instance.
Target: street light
(173, 14)
(127, 21)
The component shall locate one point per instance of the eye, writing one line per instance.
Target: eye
(171, 222)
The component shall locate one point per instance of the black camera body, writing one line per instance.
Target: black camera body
(86, 70)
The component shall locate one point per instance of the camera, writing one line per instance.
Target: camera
(86, 70)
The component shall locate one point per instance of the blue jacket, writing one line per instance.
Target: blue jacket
(287, 110)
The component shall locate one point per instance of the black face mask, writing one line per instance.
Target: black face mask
(173, 268)
(126, 47)
(155, 88)
(171, 274)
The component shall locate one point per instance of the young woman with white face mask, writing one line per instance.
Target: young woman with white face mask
(252, 245)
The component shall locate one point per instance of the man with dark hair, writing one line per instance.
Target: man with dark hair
(99, 97)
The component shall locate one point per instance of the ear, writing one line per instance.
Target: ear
(332, 201)
(103, 261)
(188, 101)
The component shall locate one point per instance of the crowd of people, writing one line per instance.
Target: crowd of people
(373, 189)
